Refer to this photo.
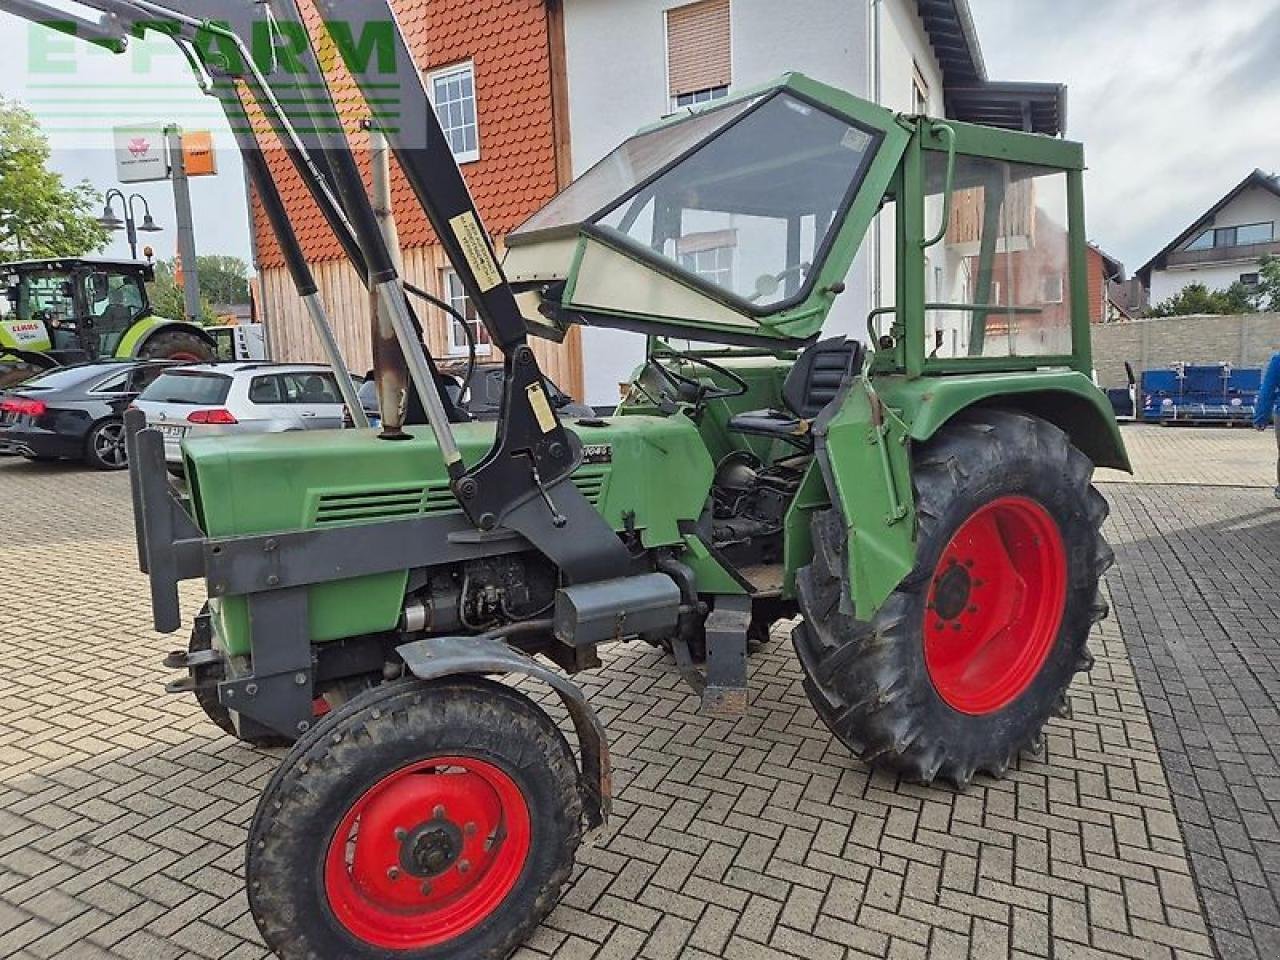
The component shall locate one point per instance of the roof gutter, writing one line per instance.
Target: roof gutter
(970, 33)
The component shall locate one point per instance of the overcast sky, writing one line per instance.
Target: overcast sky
(80, 92)
(1175, 101)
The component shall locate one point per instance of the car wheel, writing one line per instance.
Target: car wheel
(104, 447)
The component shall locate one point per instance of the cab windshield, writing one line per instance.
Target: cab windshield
(43, 296)
(748, 207)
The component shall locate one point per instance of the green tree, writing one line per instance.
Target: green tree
(1196, 298)
(223, 279)
(1269, 283)
(167, 299)
(40, 216)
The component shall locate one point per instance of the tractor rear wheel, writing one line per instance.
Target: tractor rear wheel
(177, 345)
(425, 821)
(965, 662)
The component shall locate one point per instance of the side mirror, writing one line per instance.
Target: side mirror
(99, 285)
(65, 289)
(12, 294)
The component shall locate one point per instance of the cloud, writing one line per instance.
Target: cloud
(1175, 102)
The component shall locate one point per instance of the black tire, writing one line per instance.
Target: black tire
(870, 682)
(207, 696)
(104, 447)
(365, 744)
(177, 344)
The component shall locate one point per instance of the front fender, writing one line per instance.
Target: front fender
(437, 657)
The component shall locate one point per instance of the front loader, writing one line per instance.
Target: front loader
(918, 499)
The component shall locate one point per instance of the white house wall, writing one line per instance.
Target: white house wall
(616, 59)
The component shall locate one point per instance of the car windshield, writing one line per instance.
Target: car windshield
(749, 210)
(188, 386)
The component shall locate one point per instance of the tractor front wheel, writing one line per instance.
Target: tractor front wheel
(422, 821)
(965, 662)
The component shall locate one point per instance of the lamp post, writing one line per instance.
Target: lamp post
(129, 223)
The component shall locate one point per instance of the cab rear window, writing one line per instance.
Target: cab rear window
(198, 389)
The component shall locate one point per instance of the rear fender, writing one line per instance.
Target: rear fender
(437, 657)
(1067, 399)
(136, 337)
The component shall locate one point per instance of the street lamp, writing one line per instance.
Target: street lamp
(129, 223)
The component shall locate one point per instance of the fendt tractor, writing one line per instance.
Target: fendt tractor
(76, 309)
(917, 498)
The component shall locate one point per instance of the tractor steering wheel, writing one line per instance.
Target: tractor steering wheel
(695, 391)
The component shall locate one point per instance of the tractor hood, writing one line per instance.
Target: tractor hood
(737, 222)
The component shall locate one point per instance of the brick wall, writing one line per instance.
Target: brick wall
(1246, 341)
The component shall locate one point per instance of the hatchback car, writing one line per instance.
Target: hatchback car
(220, 398)
(74, 412)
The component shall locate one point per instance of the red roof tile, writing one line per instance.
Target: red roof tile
(516, 173)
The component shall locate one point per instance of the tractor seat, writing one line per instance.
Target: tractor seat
(812, 383)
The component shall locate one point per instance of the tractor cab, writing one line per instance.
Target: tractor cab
(737, 222)
(74, 309)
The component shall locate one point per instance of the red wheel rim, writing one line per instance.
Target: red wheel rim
(427, 853)
(995, 604)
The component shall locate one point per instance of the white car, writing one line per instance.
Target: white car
(211, 399)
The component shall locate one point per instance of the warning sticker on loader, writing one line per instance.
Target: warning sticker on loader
(476, 249)
(541, 407)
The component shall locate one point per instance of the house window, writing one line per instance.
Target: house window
(453, 94)
(457, 298)
(714, 264)
(1242, 235)
(1250, 281)
(701, 96)
(699, 52)
(919, 92)
(1255, 233)
(1051, 288)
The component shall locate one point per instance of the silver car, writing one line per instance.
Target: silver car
(212, 399)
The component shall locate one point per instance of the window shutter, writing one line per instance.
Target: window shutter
(698, 47)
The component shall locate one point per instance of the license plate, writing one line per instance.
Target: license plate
(172, 432)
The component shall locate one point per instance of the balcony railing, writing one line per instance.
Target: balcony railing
(1245, 251)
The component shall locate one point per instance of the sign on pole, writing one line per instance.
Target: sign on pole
(198, 157)
(141, 154)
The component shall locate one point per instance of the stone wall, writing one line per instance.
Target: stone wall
(1245, 341)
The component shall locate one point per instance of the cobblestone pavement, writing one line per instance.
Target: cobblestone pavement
(1212, 456)
(122, 811)
(1196, 598)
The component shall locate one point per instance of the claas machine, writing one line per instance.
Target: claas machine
(79, 309)
(917, 498)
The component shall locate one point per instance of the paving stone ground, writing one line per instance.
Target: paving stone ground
(123, 811)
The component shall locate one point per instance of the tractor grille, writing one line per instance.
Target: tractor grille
(384, 504)
(348, 507)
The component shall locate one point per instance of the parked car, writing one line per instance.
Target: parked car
(210, 399)
(75, 412)
(480, 400)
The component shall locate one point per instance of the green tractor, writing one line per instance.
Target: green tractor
(74, 309)
(917, 499)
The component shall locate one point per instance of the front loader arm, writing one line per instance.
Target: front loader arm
(523, 483)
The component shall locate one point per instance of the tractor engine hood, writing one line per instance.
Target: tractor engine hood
(736, 222)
